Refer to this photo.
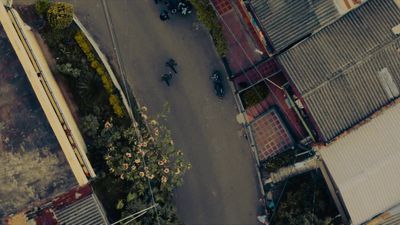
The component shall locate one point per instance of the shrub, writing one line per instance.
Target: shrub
(98, 67)
(67, 69)
(88, 88)
(206, 15)
(107, 84)
(220, 42)
(115, 103)
(83, 43)
(254, 95)
(90, 125)
(90, 57)
(94, 64)
(41, 7)
(60, 15)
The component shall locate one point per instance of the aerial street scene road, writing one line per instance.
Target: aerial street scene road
(199, 112)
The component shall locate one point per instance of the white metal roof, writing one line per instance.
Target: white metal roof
(365, 165)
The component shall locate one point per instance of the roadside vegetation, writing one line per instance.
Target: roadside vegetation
(206, 15)
(128, 157)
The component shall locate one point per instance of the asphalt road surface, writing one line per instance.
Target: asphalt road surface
(221, 187)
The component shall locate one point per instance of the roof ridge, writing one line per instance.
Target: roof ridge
(360, 60)
(316, 32)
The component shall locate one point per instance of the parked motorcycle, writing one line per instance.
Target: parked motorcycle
(184, 7)
(219, 89)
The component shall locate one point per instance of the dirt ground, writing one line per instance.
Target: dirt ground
(32, 164)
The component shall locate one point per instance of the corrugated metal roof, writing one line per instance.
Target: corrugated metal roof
(85, 211)
(337, 70)
(365, 166)
(289, 21)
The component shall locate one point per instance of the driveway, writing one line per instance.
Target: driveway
(221, 187)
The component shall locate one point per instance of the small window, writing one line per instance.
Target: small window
(386, 80)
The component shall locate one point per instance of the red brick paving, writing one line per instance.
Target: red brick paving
(222, 6)
(238, 36)
(264, 69)
(247, 68)
(276, 97)
(271, 135)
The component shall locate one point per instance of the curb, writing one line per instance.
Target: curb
(104, 60)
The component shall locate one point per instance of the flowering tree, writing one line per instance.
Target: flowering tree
(146, 159)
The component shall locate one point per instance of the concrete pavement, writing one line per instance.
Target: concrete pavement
(221, 188)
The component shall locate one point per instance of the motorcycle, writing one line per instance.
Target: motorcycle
(182, 6)
(167, 78)
(219, 89)
(171, 64)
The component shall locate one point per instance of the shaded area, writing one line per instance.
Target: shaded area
(305, 200)
(32, 163)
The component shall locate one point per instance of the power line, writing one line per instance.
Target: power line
(242, 48)
(122, 71)
(263, 79)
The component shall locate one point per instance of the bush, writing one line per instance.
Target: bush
(107, 84)
(90, 125)
(88, 87)
(67, 69)
(98, 67)
(206, 15)
(41, 7)
(60, 15)
(116, 104)
(83, 43)
(254, 95)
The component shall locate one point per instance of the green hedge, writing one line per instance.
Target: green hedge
(100, 70)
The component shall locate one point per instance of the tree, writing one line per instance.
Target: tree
(60, 15)
(41, 7)
(149, 158)
(90, 125)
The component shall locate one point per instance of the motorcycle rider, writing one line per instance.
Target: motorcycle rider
(166, 77)
(171, 64)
